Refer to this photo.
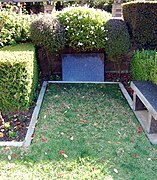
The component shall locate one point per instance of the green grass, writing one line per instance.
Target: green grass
(94, 127)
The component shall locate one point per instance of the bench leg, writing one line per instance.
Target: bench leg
(152, 125)
(148, 123)
(137, 103)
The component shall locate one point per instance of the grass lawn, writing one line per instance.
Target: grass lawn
(84, 131)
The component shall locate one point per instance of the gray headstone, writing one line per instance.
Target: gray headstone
(83, 67)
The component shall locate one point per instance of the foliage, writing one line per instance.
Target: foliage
(14, 29)
(85, 27)
(141, 18)
(103, 4)
(144, 65)
(118, 43)
(48, 32)
(19, 76)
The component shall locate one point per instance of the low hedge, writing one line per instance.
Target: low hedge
(46, 31)
(19, 77)
(144, 65)
(85, 27)
(141, 18)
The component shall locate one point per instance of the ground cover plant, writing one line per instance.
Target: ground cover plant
(84, 131)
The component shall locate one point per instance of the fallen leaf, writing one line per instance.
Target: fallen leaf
(96, 123)
(1, 134)
(93, 169)
(72, 138)
(45, 117)
(139, 129)
(84, 121)
(44, 139)
(115, 170)
(100, 160)
(132, 141)
(59, 174)
(9, 157)
(15, 155)
(62, 133)
(119, 143)
(65, 155)
(61, 152)
(110, 142)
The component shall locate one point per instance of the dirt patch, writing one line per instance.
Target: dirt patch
(15, 125)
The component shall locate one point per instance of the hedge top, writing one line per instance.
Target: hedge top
(16, 50)
(144, 2)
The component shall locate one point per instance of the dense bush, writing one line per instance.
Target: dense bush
(85, 27)
(103, 4)
(141, 18)
(144, 65)
(14, 28)
(118, 43)
(18, 77)
(46, 31)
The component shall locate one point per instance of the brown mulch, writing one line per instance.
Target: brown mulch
(16, 125)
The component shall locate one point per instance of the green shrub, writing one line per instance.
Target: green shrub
(14, 29)
(103, 4)
(46, 31)
(85, 27)
(118, 43)
(19, 77)
(141, 18)
(144, 65)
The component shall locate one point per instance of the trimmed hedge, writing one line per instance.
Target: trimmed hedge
(46, 31)
(118, 43)
(144, 65)
(18, 77)
(141, 18)
(85, 28)
(14, 28)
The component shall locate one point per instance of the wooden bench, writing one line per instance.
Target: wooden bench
(145, 104)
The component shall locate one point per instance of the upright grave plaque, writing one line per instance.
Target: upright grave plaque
(83, 67)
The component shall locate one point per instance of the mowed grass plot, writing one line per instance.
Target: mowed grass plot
(84, 131)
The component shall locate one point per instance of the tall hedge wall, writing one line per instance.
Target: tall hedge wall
(141, 18)
(18, 77)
